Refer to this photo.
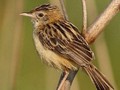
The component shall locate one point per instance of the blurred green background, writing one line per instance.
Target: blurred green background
(21, 67)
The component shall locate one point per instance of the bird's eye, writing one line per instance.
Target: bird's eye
(40, 14)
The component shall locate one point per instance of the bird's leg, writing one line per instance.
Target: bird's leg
(62, 79)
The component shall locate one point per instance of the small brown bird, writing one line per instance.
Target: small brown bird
(60, 44)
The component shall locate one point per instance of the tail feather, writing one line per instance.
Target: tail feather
(98, 78)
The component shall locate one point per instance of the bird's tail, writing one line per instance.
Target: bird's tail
(98, 78)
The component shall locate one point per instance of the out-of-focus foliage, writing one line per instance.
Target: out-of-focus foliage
(21, 67)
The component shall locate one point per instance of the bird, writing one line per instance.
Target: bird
(61, 45)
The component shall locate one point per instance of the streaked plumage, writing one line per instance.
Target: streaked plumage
(61, 45)
(65, 41)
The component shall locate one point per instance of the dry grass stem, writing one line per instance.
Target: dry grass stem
(63, 9)
(97, 27)
(84, 9)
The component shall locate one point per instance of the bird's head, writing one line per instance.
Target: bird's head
(44, 14)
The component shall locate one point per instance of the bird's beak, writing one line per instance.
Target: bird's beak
(28, 14)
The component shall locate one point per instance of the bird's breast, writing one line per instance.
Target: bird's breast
(50, 57)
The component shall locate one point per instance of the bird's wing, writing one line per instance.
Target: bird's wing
(65, 40)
